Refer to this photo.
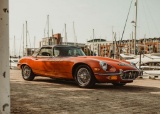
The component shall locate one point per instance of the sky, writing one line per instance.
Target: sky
(104, 16)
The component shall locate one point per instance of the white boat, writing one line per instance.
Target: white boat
(149, 64)
(127, 57)
(13, 63)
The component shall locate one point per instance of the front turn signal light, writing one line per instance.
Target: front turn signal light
(113, 77)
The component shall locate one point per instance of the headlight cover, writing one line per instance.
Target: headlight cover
(103, 65)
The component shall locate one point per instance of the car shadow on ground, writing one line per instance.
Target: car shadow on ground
(100, 86)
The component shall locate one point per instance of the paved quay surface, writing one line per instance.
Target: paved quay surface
(47, 96)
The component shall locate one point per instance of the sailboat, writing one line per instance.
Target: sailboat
(150, 65)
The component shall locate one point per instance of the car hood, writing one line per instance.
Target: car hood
(119, 64)
(98, 58)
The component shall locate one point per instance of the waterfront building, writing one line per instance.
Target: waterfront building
(52, 40)
(101, 47)
(94, 47)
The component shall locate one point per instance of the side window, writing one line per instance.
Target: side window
(56, 52)
(35, 53)
(59, 51)
(45, 51)
(70, 52)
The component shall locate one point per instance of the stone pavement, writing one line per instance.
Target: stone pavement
(47, 96)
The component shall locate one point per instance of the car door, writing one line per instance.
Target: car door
(41, 62)
(61, 62)
(54, 65)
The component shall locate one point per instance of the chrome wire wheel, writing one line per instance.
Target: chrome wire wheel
(27, 73)
(84, 76)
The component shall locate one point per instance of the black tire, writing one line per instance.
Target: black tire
(84, 76)
(119, 84)
(27, 73)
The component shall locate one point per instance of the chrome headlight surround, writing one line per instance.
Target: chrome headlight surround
(121, 72)
(103, 65)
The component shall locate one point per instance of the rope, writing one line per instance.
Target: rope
(126, 20)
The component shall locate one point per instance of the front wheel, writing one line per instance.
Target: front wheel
(119, 84)
(27, 73)
(84, 77)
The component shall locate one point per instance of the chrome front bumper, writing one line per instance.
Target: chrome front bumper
(124, 75)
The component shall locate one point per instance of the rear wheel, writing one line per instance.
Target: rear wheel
(84, 76)
(27, 73)
(119, 84)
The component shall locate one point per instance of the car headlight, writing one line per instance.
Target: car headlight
(103, 65)
(133, 64)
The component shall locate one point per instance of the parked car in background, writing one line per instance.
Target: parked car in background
(70, 63)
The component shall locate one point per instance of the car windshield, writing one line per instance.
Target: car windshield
(68, 51)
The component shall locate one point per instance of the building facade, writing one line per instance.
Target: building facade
(53, 40)
(94, 47)
(101, 47)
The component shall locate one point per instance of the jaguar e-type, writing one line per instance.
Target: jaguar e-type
(71, 63)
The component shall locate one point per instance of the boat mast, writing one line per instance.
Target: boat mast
(23, 40)
(144, 43)
(44, 33)
(26, 40)
(113, 52)
(93, 42)
(136, 3)
(65, 34)
(48, 28)
(34, 41)
(130, 44)
(75, 39)
(14, 47)
(115, 48)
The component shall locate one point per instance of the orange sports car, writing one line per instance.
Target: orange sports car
(71, 63)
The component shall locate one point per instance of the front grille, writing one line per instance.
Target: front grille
(130, 75)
